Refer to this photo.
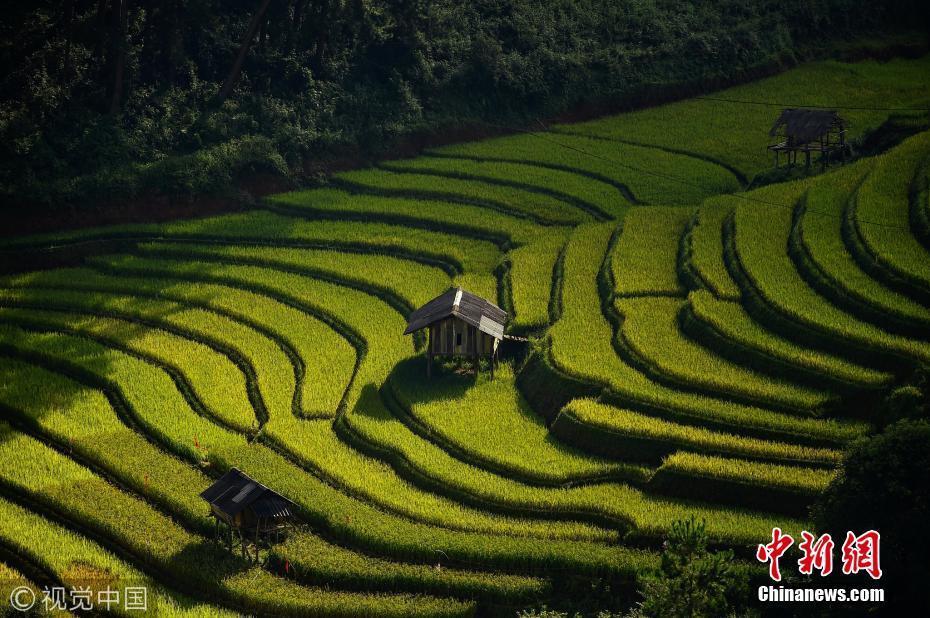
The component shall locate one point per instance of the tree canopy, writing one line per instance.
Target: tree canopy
(96, 94)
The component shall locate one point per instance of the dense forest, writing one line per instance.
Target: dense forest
(109, 99)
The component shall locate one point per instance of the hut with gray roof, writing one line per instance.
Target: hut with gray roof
(808, 130)
(249, 513)
(460, 324)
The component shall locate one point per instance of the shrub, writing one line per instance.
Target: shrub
(904, 402)
(883, 486)
(692, 582)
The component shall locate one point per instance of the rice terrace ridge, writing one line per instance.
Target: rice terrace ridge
(567, 369)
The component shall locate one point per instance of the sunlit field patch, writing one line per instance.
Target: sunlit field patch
(677, 344)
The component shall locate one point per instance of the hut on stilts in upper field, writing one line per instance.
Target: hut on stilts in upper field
(247, 512)
(460, 325)
(808, 131)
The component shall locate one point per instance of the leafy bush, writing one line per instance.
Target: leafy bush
(883, 486)
(906, 402)
(691, 581)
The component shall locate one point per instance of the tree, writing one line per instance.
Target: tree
(693, 582)
(884, 485)
(94, 92)
(257, 20)
(120, 16)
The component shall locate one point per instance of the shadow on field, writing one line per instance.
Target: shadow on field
(207, 561)
(37, 303)
(492, 409)
(369, 403)
(449, 380)
(207, 567)
(35, 382)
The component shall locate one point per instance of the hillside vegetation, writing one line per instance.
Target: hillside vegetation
(695, 349)
(107, 101)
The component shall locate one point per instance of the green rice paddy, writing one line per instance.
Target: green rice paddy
(696, 348)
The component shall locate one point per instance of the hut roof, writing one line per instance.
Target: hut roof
(456, 302)
(235, 491)
(806, 125)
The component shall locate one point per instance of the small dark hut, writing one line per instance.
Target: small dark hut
(251, 512)
(807, 131)
(460, 325)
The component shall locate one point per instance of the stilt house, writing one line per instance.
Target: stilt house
(807, 131)
(460, 324)
(251, 513)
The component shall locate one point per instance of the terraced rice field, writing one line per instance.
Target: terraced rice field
(693, 348)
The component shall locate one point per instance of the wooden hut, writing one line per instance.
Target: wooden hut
(250, 512)
(461, 325)
(807, 131)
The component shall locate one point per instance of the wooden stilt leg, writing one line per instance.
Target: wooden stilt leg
(431, 333)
